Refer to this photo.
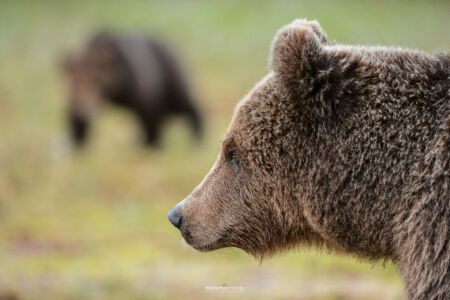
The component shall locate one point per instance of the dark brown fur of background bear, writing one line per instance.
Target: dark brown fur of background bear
(339, 146)
(132, 71)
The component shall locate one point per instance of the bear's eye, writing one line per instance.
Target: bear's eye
(232, 156)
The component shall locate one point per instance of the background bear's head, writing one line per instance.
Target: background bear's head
(251, 198)
(92, 73)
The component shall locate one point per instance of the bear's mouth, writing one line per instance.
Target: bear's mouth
(218, 243)
(208, 247)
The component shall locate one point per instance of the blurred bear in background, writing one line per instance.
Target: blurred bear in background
(132, 71)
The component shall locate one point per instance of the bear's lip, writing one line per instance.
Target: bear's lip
(214, 245)
(207, 247)
(203, 247)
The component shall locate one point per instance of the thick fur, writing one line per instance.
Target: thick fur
(342, 146)
(132, 71)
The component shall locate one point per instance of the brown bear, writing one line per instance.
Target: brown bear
(345, 147)
(133, 71)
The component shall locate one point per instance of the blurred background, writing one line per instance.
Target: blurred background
(92, 224)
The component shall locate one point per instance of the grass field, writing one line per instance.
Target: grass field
(93, 225)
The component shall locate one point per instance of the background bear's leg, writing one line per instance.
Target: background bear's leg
(194, 118)
(151, 126)
(182, 104)
(79, 128)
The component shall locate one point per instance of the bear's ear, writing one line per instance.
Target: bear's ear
(296, 50)
(315, 27)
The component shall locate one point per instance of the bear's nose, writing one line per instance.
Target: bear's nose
(175, 216)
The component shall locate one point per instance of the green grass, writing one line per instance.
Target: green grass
(93, 225)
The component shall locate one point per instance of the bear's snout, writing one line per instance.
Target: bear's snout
(175, 216)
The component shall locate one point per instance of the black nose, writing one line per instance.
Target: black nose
(175, 216)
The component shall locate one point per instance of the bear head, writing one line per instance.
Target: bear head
(251, 199)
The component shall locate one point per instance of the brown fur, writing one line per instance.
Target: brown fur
(341, 146)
